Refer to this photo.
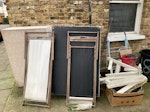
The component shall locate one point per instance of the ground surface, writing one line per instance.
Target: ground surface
(6, 77)
(11, 97)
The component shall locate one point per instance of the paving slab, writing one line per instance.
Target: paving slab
(5, 75)
(6, 78)
(3, 98)
(15, 100)
(14, 103)
(6, 83)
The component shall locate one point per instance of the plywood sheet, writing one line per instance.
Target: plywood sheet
(38, 70)
(15, 44)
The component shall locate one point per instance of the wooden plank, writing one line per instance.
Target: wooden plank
(74, 38)
(126, 81)
(31, 104)
(125, 1)
(80, 102)
(129, 69)
(136, 86)
(118, 68)
(68, 70)
(122, 73)
(129, 88)
(110, 66)
(83, 40)
(123, 64)
(68, 82)
(94, 81)
(126, 88)
(81, 98)
(82, 32)
(81, 47)
(116, 78)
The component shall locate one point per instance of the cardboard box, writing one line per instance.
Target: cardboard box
(125, 52)
(1, 19)
(125, 99)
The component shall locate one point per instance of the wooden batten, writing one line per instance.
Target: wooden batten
(128, 80)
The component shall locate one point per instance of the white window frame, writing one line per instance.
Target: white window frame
(132, 35)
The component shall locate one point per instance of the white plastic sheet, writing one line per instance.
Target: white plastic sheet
(38, 70)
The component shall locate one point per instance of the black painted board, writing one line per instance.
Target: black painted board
(59, 78)
(82, 64)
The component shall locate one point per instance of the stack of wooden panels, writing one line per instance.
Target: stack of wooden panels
(124, 88)
(128, 81)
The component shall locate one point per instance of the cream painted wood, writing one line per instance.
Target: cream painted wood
(122, 74)
(14, 40)
(126, 81)
(118, 68)
(121, 64)
(38, 70)
(126, 88)
(117, 77)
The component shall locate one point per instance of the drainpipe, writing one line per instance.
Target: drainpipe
(90, 13)
(4, 10)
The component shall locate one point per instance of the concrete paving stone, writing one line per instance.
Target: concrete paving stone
(2, 44)
(3, 98)
(3, 65)
(6, 83)
(9, 68)
(3, 56)
(14, 103)
(2, 47)
(2, 51)
(4, 75)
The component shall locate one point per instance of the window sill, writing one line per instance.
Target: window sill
(115, 37)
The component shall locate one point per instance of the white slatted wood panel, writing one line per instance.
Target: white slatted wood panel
(38, 70)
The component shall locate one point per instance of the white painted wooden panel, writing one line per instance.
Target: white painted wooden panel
(37, 70)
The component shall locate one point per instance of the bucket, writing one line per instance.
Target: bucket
(145, 62)
(129, 59)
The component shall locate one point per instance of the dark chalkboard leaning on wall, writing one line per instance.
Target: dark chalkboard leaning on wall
(59, 81)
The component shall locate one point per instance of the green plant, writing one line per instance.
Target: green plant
(6, 21)
(72, 107)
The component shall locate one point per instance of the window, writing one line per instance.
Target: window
(122, 17)
(125, 15)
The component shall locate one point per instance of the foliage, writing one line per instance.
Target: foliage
(6, 21)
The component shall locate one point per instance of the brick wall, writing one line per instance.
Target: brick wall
(145, 25)
(72, 13)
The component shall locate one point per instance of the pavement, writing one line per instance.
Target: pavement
(6, 77)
